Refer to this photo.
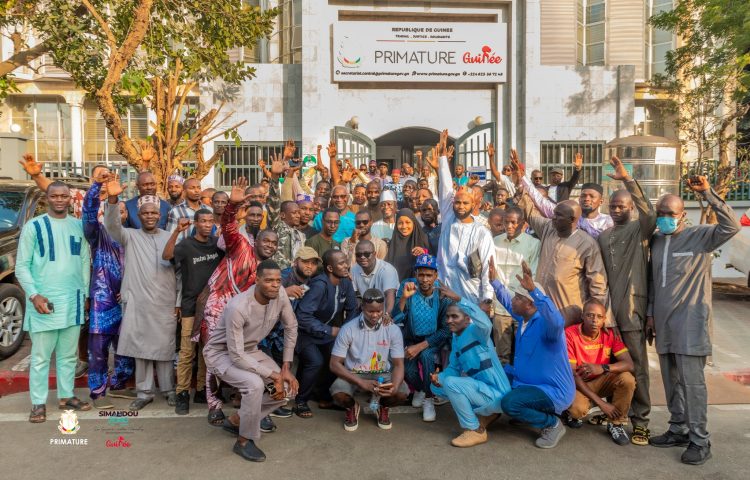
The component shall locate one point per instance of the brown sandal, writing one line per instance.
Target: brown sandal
(74, 403)
(38, 414)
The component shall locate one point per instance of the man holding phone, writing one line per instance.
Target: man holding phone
(625, 254)
(367, 351)
(53, 268)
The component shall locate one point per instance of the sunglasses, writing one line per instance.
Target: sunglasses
(373, 300)
(361, 222)
(538, 178)
(364, 254)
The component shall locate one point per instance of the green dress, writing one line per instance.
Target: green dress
(54, 261)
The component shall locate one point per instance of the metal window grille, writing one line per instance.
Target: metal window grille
(561, 155)
(242, 161)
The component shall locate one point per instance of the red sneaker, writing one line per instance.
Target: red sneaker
(351, 419)
(384, 421)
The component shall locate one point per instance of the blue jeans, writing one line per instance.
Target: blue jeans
(530, 405)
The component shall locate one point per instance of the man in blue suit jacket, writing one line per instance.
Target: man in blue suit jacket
(146, 184)
(330, 301)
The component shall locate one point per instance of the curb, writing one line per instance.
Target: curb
(16, 382)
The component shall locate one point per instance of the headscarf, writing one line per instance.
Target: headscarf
(399, 251)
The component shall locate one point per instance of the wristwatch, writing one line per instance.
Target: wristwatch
(605, 368)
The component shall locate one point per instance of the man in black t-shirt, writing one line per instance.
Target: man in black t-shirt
(196, 257)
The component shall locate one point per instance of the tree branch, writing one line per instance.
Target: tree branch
(22, 58)
(111, 41)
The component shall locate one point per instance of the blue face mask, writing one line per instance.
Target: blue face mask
(667, 225)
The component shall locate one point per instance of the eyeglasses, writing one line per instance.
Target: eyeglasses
(538, 178)
(594, 315)
(363, 254)
(361, 222)
(373, 299)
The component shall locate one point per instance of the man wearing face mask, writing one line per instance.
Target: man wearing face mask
(679, 310)
(591, 221)
(625, 254)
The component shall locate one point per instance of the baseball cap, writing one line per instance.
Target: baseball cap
(557, 170)
(307, 253)
(519, 290)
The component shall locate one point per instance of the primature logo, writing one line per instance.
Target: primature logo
(347, 57)
(487, 56)
(68, 423)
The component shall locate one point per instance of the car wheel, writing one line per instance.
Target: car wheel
(12, 307)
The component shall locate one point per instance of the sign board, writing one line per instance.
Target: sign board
(480, 172)
(665, 156)
(419, 52)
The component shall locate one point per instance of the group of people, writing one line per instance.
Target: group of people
(363, 290)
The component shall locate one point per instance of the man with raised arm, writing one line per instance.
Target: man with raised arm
(679, 311)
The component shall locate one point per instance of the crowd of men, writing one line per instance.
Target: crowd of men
(362, 289)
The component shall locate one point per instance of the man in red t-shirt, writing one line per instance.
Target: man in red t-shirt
(590, 350)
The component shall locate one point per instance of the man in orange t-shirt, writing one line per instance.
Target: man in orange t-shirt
(591, 348)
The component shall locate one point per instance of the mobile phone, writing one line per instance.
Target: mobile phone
(294, 163)
(271, 388)
(51, 307)
(385, 385)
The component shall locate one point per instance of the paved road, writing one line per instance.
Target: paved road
(319, 448)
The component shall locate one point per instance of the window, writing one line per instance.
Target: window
(242, 161)
(658, 42)
(98, 143)
(561, 154)
(286, 41)
(45, 121)
(591, 32)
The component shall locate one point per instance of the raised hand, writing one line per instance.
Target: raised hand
(449, 153)
(147, 151)
(289, 149)
(237, 194)
(102, 176)
(433, 158)
(446, 292)
(491, 150)
(332, 150)
(578, 161)
(183, 224)
(410, 289)
(699, 184)
(113, 186)
(278, 165)
(527, 281)
(620, 173)
(347, 175)
(515, 163)
(31, 166)
(473, 180)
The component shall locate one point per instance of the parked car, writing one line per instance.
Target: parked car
(739, 250)
(20, 201)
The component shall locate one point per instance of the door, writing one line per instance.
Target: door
(471, 147)
(353, 145)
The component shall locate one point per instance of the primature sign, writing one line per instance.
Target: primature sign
(419, 52)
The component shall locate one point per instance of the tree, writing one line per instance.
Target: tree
(708, 79)
(120, 51)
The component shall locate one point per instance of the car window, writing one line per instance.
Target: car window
(41, 207)
(10, 207)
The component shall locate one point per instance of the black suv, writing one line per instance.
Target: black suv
(20, 201)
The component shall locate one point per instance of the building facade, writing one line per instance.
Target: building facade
(382, 78)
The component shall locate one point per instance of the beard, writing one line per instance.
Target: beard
(300, 273)
(587, 210)
(252, 230)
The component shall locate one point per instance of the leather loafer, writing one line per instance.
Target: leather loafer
(230, 427)
(249, 452)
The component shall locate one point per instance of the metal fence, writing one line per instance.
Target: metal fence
(69, 170)
(561, 154)
(242, 161)
(739, 191)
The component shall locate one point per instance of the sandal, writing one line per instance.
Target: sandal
(302, 410)
(230, 427)
(38, 414)
(216, 417)
(328, 405)
(598, 420)
(74, 403)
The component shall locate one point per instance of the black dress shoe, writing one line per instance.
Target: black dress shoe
(696, 454)
(230, 427)
(670, 439)
(182, 406)
(267, 425)
(249, 451)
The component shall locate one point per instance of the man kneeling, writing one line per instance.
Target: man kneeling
(232, 354)
(474, 381)
(590, 347)
(368, 357)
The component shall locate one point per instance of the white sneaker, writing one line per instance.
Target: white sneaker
(417, 400)
(428, 410)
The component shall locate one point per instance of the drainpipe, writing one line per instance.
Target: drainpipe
(617, 105)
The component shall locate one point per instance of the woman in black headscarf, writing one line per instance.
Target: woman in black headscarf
(408, 242)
